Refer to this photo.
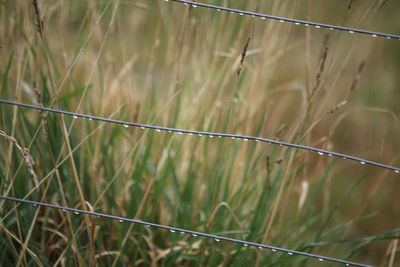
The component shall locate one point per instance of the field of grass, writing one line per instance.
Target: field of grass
(172, 65)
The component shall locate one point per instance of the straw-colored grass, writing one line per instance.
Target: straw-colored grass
(168, 64)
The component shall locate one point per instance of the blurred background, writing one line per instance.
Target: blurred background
(167, 64)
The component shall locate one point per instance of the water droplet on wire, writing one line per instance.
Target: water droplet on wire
(172, 231)
(126, 125)
(74, 116)
(217, 239)
(77, 213)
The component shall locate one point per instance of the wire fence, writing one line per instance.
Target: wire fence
(283, 19)
(206, 134)
(217, 238)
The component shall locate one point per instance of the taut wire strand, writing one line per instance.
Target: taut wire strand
(283, 19)
(184, 231)
(209, 134)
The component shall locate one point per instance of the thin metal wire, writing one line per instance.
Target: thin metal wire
(209, 134)
(184, 231)
(283, 19)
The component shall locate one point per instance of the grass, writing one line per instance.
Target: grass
(168, 64)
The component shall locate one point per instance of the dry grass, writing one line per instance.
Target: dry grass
(172, 65)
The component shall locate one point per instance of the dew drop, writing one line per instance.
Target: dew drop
(330, 155)
(35, 205)
(194, 5)
(281, 20)
(180, 133)
(245, 139)
(233, 138)
(351, 32)
(64, 210)
(142, 128)
(90, 119)
(262, 18)
(306, 25)
(148, 225)
(200, 135)
(241, 14)
(194, 234)
(320, 153)
(317, 26)
(297, 23)
(362, 162)
(211, 136)
(77, 213)
(158, 130)
(121, 221)
(218, 9)
(216, 239)
(172, 231)
(260, 247)
(290, 253)
(331, 29)
(397, 171)
(388, 37)
(374, 35)
(274, 250)
(74, 116)
(246, 245)
(321, 259)
(126, 125)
